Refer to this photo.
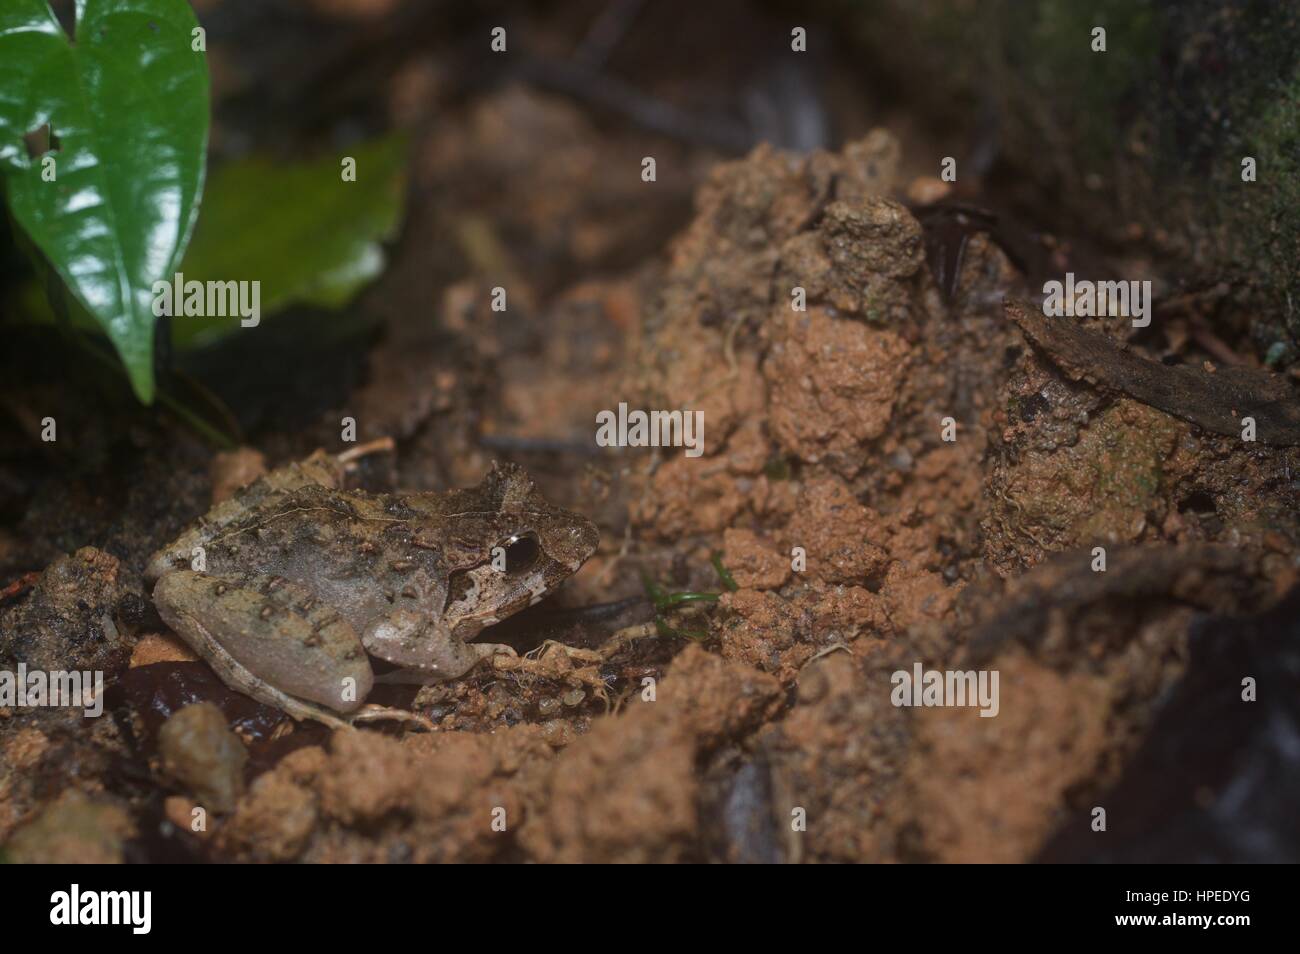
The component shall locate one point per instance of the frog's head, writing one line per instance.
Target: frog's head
(509, 549)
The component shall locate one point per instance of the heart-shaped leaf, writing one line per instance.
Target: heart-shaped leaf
(103, 141)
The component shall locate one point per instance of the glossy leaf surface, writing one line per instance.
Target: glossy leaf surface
(103, 141)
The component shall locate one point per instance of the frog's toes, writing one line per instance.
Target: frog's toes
(486, 650)
(377, 713)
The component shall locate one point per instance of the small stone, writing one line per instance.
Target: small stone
(557, 733)
(201, 753)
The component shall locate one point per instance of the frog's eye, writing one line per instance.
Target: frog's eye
(522, 551)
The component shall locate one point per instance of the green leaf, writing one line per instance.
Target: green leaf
(298, 228)
(126, 107)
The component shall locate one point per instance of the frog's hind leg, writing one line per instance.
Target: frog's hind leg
(237, 677)
(270, 639)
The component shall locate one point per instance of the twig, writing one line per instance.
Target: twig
(382, 445)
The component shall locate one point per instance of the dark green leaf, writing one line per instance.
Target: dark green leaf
(126, 108)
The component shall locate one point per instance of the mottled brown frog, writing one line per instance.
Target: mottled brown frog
(286, 588)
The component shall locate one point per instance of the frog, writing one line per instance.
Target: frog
(292, 586)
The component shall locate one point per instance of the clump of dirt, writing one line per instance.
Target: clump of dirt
(628, 790)
(74, 829)
(1101, 488)
(69, 620)
(1002, 779)
(525, 792)
(836, 757)
(802, 386)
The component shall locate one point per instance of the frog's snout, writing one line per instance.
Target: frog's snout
(571, 544)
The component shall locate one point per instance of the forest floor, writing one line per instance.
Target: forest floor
(897, 474)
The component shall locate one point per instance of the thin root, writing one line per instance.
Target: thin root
(383, 445)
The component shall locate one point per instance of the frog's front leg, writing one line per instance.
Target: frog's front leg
(270, 639)
(426, 650)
